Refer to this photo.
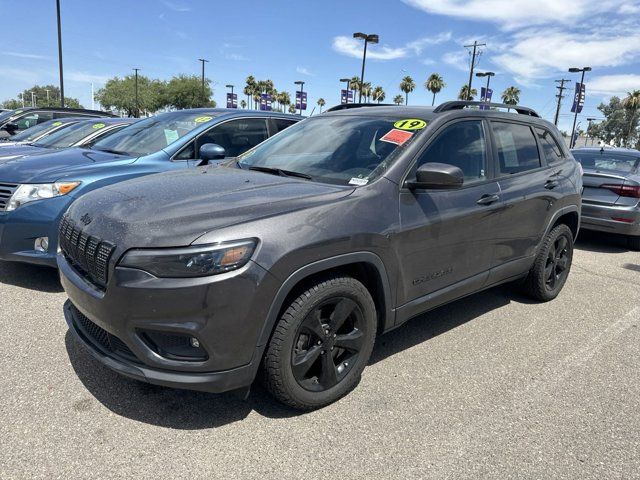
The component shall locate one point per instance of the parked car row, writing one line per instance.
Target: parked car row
(15, 121)
(203, 248)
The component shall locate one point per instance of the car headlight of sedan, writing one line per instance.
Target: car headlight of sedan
(30, 192)
(196, 261)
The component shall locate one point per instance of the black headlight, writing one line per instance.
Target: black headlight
(196, 261)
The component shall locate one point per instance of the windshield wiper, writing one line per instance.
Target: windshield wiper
(281, 172)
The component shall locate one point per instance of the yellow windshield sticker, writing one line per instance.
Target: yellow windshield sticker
(410, 124)
(56, 124)
(202, 119)
(98, 126)
(17, 112)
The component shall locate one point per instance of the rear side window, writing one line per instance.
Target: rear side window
(236, 136)
(32, 119)
(462, 145)
(550, 148)
(517, 148)
(281, 124)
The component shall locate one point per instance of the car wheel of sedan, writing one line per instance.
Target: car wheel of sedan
(552, 264)
(634, 243)
(321, 344)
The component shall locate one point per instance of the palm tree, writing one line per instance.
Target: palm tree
(465, 94)
(434, 84)
(366, 91)
(284, 99)
(398, 99)
(407, 85)
(321, 103)
(243, 104)
(631, 104)
(511, 95)
(292, 109)
(378, 94)
(249, 89)
(354, 85)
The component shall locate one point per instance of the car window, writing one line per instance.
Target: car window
(37, 131)
(462, 145)
(236, 136)
(605, 160)
(517, 148)
(281, 123)
(551, 149)
(73, 134)
(32, 119)
(187, 153)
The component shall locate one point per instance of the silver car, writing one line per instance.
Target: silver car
(611, 197)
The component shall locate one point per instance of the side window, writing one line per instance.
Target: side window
(32, 119)
(552, 151)
(462, 145)
(187, 153)
(236, 136)
(281, 124)
(517, 148)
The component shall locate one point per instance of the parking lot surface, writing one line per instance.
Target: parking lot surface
(492, 386)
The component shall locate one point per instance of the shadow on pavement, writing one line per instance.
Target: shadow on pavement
(184, 409)
(33, 277)
(601, 242)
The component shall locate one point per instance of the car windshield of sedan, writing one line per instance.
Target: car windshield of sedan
(34, 132)
(71, 135)
(343, 150)
(153, 134)
(604, 160)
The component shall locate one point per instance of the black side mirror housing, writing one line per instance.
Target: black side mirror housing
(211, 151)
(436, 176)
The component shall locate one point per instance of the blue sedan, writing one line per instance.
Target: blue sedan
(36, 190)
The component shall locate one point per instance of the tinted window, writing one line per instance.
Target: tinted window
(236, 136)
(281, 124)
(32, 119)
(517, 148)
(35, 132)
(462, 145)
(551, 149)
(604, 160)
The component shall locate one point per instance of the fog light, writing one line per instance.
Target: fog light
(41, 244)
(194, 342)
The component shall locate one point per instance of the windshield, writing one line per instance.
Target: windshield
(344, 150)
(36, 131)
(605, 160)
(67, 137)
(153, 134)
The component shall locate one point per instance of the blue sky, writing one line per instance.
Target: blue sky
(530, 43)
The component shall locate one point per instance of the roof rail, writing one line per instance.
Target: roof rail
(460, 104)
(346, 106)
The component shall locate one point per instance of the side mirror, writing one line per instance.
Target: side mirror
(211, 151)
(436, 176)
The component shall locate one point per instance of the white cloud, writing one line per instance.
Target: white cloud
(84, 77)
(176, 7)
(353, 47)
(517, 13)
(614, 84)
(304, 71)
(236, 57)
(31, 56)
(458, 59)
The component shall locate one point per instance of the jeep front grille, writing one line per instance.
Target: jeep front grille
(88, 255)
(6, 191)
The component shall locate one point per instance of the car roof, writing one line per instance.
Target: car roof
(65, 109)
(108, 120)
(232, 112)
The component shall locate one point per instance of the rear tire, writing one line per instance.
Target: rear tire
(321, 344)
(633, 243)
(552, 265)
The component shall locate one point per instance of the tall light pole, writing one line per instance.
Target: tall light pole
(572, 143)
(137, 113)
(473, 62)
(203, 60)
(301, 83)
(60, 54)
(488, 75)
(368, 38)
(348, 82)
(561, 88)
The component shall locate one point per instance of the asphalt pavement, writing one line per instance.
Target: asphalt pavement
(492, 386)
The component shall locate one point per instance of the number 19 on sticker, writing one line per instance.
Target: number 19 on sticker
(410, 124)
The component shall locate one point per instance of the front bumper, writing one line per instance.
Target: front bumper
(601, 218)
(225, 313)
(20, 228)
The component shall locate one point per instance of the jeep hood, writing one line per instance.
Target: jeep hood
(174, 209)
(49, 167)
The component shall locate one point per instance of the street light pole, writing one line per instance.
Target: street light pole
(368, 38)
(137, 112)
(572, 143)
(488, 75)
(301, 83)
(231, 87)
(60, 54)
(348, 82)
(203, 60)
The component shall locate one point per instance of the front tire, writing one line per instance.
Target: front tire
(552, 265)
(321, 344)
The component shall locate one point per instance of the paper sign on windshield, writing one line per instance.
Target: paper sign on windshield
(398, 137)
(171, 135)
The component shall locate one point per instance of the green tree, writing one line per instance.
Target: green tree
(465, 94)
(292, 109)
(366, 91)
(511, 95)
(43, 96)
(12, 104)
(354, 85)
(631, 103)
(378, 94)
(618, 122)
(407, 86)
(321, 103)
(119, 93)
(185, 91)
(434, 84)
(398, 99)
(243, 104)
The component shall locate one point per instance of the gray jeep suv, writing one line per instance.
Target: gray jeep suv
(288, 260)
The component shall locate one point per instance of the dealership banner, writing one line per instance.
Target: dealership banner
(346, 96)
(265, 102)
(301, 100)
(578, 98)
(485, 96)
(232, 100)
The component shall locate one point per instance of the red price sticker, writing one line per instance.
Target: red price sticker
(397, 136)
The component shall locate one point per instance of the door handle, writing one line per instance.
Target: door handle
(487, 199)
(551, 184)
